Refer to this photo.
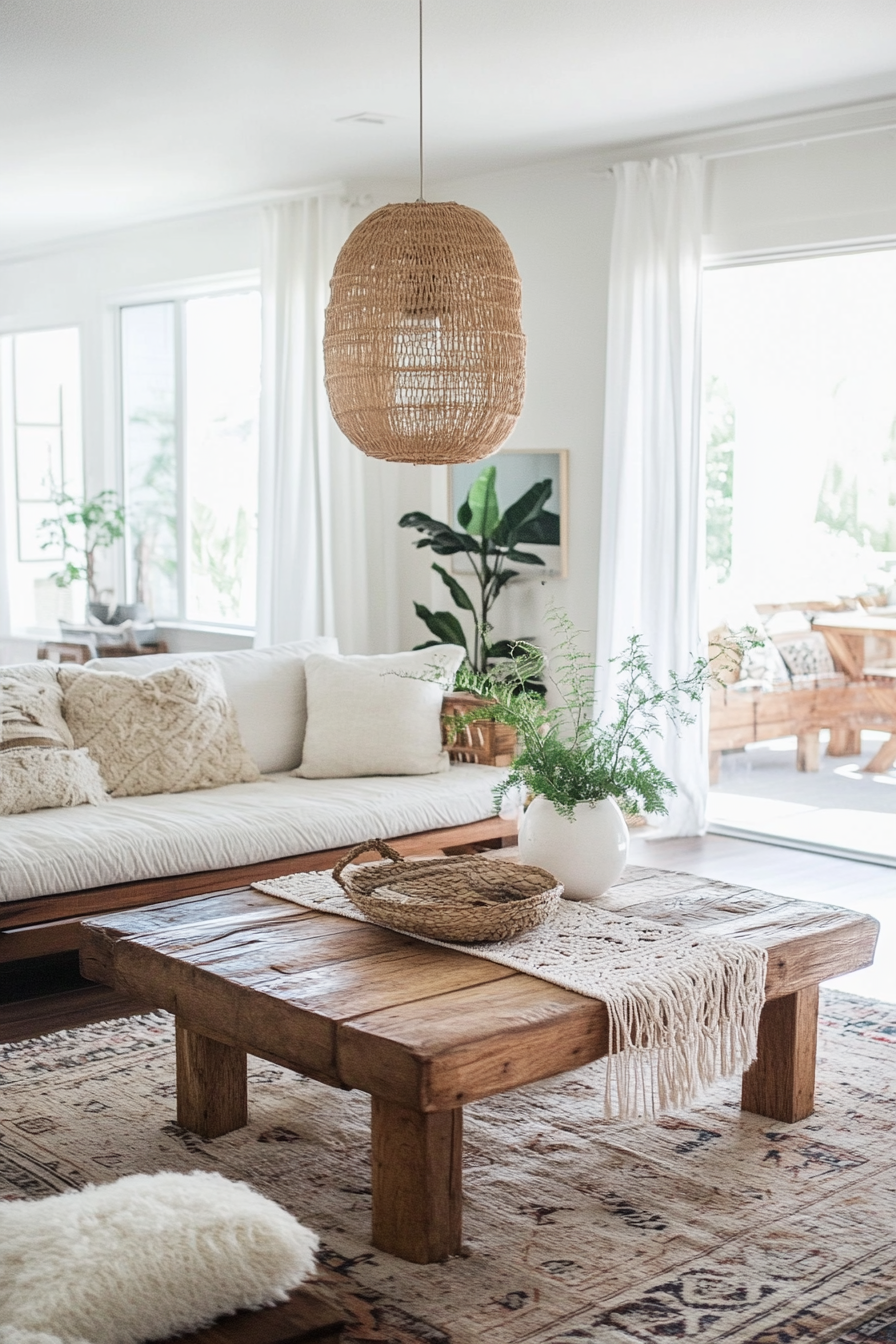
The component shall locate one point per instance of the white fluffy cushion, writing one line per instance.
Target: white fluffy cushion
(170, 732)
(375, 716)
(145, 1257)
(266, 688)
(35, 777)
(31, 708)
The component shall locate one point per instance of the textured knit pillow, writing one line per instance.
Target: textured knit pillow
(170, 732)
(145, 1257)
(36, 777)
(377, 716)
(808, 656)
(31, 708)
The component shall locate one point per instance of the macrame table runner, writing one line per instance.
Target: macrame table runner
(683, 1006)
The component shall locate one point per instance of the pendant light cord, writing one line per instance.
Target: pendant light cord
(420, 30)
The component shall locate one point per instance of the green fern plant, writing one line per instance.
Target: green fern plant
(568, 755)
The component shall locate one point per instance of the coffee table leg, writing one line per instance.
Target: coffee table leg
(417, 1182)
(781, 1083)
(211, 1085)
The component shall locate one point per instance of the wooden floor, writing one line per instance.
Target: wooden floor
(868, 887)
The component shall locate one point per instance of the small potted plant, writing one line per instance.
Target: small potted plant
(582, 772)
(80, 529)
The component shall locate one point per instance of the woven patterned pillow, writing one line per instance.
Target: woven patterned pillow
(31, 708)
(170, 732)
(808, 656)
(36, 777)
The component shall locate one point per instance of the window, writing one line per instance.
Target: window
(191, 371)
(799, 425)
(40, 394)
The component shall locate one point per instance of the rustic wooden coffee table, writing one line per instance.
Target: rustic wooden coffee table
(424, 1029)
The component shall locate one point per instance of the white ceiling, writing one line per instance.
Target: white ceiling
(113, 111)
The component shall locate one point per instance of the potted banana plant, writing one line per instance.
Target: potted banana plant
(492, 541)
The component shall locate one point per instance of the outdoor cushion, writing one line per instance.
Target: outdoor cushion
(808, 656)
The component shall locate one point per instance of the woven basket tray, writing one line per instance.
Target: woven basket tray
(461, 900)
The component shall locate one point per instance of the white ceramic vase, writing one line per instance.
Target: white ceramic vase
(586, 854)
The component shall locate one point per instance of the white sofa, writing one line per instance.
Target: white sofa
(59, 865)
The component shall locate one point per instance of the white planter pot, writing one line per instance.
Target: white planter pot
(586, 854)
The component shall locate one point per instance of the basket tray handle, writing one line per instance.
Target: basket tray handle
(384, 850)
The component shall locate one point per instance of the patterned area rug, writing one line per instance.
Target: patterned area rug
(712, 1225)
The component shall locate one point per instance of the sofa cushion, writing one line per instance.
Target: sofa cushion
(161, 835)
(170, 732)
(39, 777)
(266, 688)
(377, 715)
(31, 708)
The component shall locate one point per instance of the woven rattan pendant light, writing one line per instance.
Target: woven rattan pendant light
(424, 354)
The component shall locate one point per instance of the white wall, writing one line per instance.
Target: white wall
(804, 195)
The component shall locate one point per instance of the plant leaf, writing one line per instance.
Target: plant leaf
(464, 515)
(529, 505)
(483, 502)
(524, 558)
(542, 530)
(460, 594)
(443, 539)
(504, 577)
(443, 624)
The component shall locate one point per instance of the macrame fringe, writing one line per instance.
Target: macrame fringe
(674, 1035)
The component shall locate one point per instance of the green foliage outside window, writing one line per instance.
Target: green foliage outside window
(840, 500)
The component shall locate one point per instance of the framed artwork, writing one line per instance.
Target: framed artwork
(517, 470)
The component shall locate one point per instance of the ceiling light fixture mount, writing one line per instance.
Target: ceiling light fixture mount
(424, 353)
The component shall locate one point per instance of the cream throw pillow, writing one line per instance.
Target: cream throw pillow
(31, 708)
(170, 732)
(35, 777)
(377, 716)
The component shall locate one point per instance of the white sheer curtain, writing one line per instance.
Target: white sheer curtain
(325, 516)
(651, 544)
